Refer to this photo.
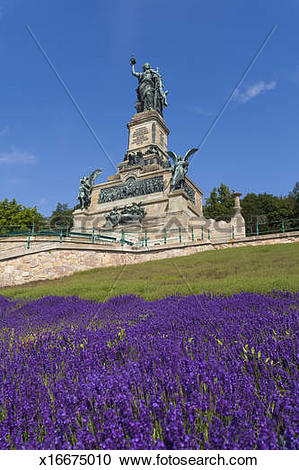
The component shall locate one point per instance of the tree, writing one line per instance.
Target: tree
(220, 204)
(267, 212)
(294, 195)
(14, 216)
(62, 217)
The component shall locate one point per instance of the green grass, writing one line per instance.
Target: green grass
(257, 269)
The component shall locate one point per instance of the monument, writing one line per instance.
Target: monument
(147, 193)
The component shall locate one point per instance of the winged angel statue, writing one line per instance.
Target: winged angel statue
(180, 168)
(86, 184)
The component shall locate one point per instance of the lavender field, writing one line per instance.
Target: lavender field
(196, 372)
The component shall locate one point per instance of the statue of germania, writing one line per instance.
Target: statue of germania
(150, 93)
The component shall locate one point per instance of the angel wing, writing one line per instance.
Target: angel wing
(93, 176)
(189, 153)
(173, 156)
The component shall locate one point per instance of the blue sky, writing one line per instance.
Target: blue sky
(201, 47)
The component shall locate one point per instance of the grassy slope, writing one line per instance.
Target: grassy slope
(258, 269)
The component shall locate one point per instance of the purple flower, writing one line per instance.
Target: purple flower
(194, 372)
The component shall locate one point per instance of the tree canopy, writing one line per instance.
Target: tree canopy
(268, 212)
(219, 205)
(294, 195)
(61, 217)
(16, 216)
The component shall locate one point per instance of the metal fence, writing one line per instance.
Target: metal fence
(146, 238)
(63, 234)
(281, 226)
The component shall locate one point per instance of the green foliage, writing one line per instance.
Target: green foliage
(219, 205)
(294, 195)
(62, 217)
(268, 211)
(14, 216)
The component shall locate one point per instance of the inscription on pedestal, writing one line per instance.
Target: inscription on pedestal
(140, 136)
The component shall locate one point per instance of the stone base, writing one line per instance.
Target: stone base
(145, 129)
(162, 208)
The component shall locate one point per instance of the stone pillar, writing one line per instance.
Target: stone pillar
(237, 206)
(238, 221)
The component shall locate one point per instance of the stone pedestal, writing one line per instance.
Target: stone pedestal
(238, 221)
(237, 205)
(177, 201)
(146, 129)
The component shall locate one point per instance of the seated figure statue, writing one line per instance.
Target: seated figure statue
(113, 218)
(133, 158)
(127, 215)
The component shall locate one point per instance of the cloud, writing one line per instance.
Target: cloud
(201, 111)
(253, 91)
(17, 156)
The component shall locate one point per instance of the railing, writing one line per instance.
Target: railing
(122, 237)
(15, 233)
(63, 234)
(282, 226)
(146, 238)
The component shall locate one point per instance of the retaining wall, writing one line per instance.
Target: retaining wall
(51, 260)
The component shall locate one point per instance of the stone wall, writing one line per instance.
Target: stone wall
(52, 260)
(8, 244)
